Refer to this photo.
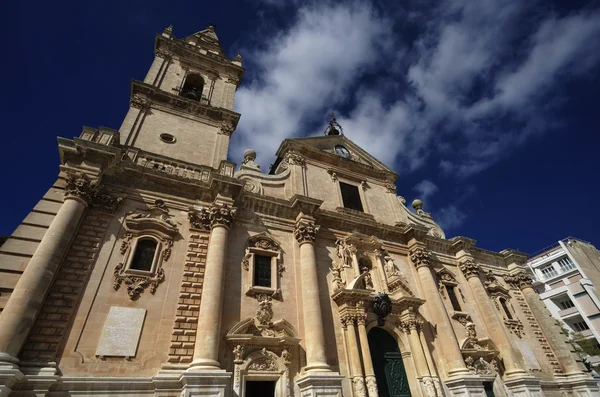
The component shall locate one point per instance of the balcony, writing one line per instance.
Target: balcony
(194, 94)
(568, 312)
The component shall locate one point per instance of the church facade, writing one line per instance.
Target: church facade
(156, 267)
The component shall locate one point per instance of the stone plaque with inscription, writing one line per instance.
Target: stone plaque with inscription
(121, 332)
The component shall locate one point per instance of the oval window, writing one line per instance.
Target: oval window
(167, 138)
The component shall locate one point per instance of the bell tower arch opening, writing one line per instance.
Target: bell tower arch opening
(387, 364)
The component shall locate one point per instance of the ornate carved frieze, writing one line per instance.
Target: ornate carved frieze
(226, 128)
(264, 314)
(80, 186)
(515, 326)
(390, 188)
(293, 158)
(469, 268)
(305, 231)
(479, 366)
(215, 215)
(420, 257)
(139, 102)
(137, 284)
(519, 280)
(103, 201)
(263, 364)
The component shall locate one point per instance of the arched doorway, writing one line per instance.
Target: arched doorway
(387, 364)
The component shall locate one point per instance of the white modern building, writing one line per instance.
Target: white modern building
(566, 274)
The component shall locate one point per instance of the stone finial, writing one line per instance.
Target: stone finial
(248, 162)
(168, 32)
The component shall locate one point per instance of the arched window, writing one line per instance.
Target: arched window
(505, 307)
(193, 86)
(144, 255)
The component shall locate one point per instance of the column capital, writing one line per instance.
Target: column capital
(469, 267)
(305, 231)
(519, 280)
(215, 215)
(80, 186)
(408, 325)
(420, 257)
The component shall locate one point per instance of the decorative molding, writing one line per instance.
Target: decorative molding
(103, 201)
(420, 257)
(226, 128)
(139, 102)
(80, 186)
(358, 387)
(215, 215)
(382, 306)
(264, 314)
(515, 326)
(390, 187)
(519, 280)
(305, 231)
(469, 268)
(137, 284)
(293, 158)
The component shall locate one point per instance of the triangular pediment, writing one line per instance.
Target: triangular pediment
(338, 149)
(207, 37)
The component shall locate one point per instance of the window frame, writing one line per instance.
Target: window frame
(567, 265)
(553, 272)
(577, 326)
(361, 185)
(134, 248)
(249, 264)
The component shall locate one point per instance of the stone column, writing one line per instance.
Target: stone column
(206, 350)
(563, 353)
(366, 357)
(314, 337)
(26, 300)
(450, 351)
(358, 381)
(412, 328)
(493, 324)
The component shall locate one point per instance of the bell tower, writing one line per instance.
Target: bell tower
(183, 109)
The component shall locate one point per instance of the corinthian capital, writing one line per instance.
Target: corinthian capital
(306, 231)
(469, 268)
(420, 257)
(519, 280)
(294, 159)
(215, 215)
(80, 186)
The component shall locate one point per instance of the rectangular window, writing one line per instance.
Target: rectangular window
(262, 271)
(580, 326)
(351, 196)
(566, 264)
(453, 298)
(566, 304)
(549, 272)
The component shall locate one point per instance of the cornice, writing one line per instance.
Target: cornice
(178, 47)
(153, 96)
(332, 161)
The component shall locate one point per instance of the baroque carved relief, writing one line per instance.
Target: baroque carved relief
(420, 257)
(80, 186)
(305, 231)
(215, 215)
(153, 223)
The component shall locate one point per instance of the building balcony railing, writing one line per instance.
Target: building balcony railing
(194, 94)
(568, 312)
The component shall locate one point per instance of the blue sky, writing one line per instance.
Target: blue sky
(487, 110)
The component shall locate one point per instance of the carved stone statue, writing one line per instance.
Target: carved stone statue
(390, 267)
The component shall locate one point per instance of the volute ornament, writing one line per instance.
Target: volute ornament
(306, 232)
(519, 280)
(293, 158)
(80, 186)
(420, 257)
(469, 268)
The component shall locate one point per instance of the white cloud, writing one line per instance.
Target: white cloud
(304, 72)
(470, 88)
(425, 189)
(450, 217)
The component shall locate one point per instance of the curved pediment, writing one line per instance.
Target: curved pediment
(264, 241)
(249, 332)
(156, 219)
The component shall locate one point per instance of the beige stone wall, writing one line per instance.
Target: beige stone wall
(587, 257)
(196, 143)
(98, 295)
(20, 246)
